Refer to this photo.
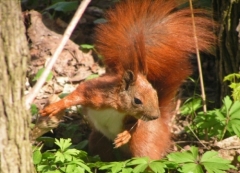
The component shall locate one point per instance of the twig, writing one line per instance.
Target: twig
(198, 59)
(196, 137)
(199, 64)
(30, 97)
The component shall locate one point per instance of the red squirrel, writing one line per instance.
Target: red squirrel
(146, 47)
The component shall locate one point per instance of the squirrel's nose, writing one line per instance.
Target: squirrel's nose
(155, 115)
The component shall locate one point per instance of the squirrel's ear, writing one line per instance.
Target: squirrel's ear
(128, 79)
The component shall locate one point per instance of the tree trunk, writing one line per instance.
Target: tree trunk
(228, 14)
(15, 147)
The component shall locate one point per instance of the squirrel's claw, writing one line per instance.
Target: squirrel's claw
(50, 110)
(122, 138)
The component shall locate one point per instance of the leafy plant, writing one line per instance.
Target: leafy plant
(190, 161)
(136, 165)
(65, 159)
(185, 162)
(234, 85)
(68, 159)
(191, 105)
(220, 122)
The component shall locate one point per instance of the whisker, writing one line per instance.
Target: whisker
(133, 126)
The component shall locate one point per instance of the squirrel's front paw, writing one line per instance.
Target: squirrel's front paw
(50, 110)
(122, 138)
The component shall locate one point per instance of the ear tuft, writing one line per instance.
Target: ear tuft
(128, 79)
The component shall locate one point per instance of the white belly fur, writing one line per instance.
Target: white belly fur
(108, 121)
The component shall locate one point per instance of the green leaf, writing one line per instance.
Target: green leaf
(236, 92)
(73, 152)
(233, 85)
(141, 164)
(117, 167)
(236, 128)
(39, 73)
(192, 168)
(231, 77)
(62, 95)
(181, 157)
(194, 151)
(191, 106)
(78, 169)
(210, 156)
(107, 166)
(227, 102)
(171, 164)
(37, 157)
(63, 143)
(41, 168)
(215, 168)
(127, 170)
(140, 168)
(33, 109)
(220, 115)
(68, 157)
(59, 157)
(157, 166)
(233, 125)
(92, 76)
(55, 171)
(137, 161)
(235, 110)
(48, 155)
(64, 6)
(70, 168)
(86, 46)
(213, 163)
(82, 165)
(214, 121)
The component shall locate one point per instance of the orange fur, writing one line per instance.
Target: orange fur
(149, 38)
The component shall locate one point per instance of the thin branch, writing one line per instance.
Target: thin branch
(30, 97)
(194, 134)
(198, 59)
(199, 65)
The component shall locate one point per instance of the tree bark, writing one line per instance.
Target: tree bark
(15, 147)
(228, 14)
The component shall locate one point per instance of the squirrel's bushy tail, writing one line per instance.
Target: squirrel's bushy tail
(154, 38)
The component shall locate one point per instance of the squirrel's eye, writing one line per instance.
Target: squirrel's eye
(137, 101)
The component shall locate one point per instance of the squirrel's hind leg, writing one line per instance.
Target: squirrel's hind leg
(102, 146)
